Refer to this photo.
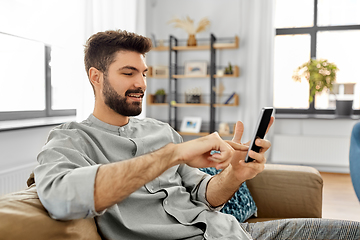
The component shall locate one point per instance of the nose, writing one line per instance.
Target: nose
(140, 82)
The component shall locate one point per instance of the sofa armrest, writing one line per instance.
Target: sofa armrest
(23, 217)
(285, 191)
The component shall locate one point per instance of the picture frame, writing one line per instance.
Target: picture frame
(160, 71)
(196, 68)
(191, 124)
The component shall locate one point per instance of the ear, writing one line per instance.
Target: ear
(95, 77)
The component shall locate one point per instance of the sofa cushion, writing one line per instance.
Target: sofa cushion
(23, 217)
(241, 205)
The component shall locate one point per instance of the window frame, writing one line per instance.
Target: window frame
(312, 31)
(48, 111)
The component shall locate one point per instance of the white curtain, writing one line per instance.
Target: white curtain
(102, 15)
(256, 56)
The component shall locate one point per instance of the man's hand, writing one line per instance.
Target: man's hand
(244, 171)
(196, 153)
(223, 185)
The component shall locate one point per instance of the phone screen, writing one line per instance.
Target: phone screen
(260, 130)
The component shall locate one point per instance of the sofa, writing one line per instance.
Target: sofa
(280, 191)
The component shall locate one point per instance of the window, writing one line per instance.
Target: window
(319, 29)
(27, 90)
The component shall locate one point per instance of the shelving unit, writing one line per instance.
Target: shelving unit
(175, 77)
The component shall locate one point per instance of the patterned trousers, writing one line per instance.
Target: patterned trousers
(307, 228)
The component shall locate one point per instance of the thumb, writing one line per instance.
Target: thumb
(238, 132)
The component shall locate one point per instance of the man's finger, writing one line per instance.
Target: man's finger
(238, 146)
(239, 130)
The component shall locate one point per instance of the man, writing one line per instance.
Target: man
(136, 177)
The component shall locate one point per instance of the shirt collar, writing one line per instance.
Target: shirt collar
(98, 123)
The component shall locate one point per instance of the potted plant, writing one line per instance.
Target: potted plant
(160, 96)
(321, 75)
(188, 25)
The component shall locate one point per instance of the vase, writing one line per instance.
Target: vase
(191, 40)
(344, 107)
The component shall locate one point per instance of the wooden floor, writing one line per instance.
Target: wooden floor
(339, 198)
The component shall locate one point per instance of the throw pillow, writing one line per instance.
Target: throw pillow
(241, 205)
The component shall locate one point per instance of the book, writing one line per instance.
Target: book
(229, 99)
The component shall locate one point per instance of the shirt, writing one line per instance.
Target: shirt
(172, 206)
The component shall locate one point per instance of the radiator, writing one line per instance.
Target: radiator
(14, 179)
(324, 151)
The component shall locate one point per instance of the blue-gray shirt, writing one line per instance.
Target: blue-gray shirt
(172, 206)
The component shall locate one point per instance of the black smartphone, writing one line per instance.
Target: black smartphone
(260, 130)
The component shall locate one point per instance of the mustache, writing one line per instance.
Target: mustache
(139, 90)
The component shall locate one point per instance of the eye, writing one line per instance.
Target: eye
(128, 74)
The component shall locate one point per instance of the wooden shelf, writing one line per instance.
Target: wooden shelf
(150, 101)
(193, 134)
(235, 99)
(235, 74)
(190, 104)
(160, 48)
(232, 45)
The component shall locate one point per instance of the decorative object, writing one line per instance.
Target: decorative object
(242, 206)
(320, 74)
(188, 25)
(160, 71)
(224, 128)
(229, 69)
(191, 124)
(220, 72)
(229, 98)
(160, 96)
(219, 90)
(196, 68)
(193, 95)
(344, 97)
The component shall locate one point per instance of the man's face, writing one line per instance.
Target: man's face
(125, 83)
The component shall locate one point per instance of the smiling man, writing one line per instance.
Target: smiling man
(135, 176)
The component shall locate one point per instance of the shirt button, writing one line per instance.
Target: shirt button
(165, 202)
(122, 129)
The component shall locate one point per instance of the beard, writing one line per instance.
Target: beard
(118, 103)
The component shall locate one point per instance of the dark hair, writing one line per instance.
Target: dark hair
(100, 48)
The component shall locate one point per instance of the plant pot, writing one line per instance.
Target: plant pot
(191, 40)
(160, 98)
(344, 107)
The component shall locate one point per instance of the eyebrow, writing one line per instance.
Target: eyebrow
(132, 68)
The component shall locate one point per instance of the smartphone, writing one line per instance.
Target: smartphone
(260, 130)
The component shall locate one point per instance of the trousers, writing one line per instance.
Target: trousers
(304, 228)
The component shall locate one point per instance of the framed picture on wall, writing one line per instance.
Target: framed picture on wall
(196, 68)
(160, 71)
(191, 124)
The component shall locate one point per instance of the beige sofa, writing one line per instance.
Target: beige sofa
(280, 191)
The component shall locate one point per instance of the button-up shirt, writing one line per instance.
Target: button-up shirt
(172, 206)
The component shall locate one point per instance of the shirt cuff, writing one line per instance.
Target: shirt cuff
(202, 193)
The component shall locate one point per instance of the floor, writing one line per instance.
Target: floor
(339, 198)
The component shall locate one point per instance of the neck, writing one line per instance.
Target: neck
(109, 116)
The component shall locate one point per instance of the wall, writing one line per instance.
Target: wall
(321, 143)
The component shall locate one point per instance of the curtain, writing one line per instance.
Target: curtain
(256, 56)
(102, 15)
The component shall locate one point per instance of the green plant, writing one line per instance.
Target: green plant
(160, 91)
(320, 74)
(228, 70)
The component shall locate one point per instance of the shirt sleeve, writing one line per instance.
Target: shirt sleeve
(196, 181)
(65, 178)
